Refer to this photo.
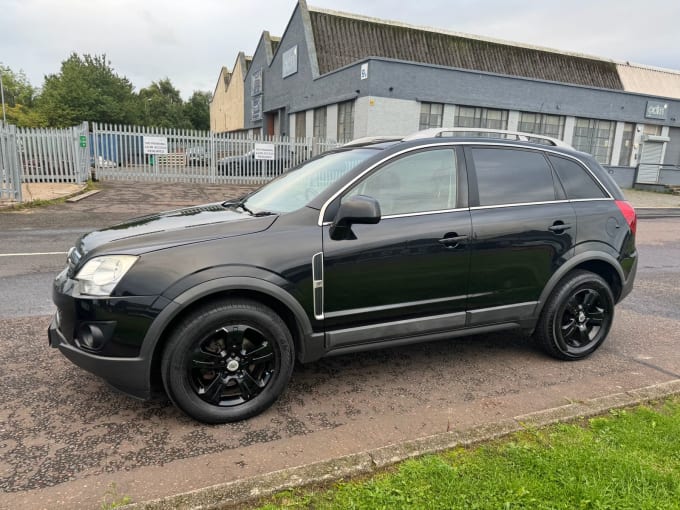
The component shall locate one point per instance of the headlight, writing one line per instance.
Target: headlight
(99, 276)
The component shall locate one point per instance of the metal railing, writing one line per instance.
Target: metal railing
(121, 153)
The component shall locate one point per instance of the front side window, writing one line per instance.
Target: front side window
(431, 115)
(488, 118)
(595, 137)
(421, 182)
(512, 176)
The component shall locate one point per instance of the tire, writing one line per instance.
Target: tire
(577, 316)
(227, 361)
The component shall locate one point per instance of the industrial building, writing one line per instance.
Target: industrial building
(342, 76)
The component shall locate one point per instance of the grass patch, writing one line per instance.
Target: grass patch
(625, 460)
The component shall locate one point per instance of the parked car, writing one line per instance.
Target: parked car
(197, 156)
(248, 166)
(368, 246)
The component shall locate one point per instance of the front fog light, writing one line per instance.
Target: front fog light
(99, 276)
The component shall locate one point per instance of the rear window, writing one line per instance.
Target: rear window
(577, 181)
(512, 176)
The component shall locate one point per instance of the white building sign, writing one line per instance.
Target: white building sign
(155, 145)
(364, 71)
(264, 151)
(290, 61)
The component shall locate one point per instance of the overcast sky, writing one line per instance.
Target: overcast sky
(189, 41)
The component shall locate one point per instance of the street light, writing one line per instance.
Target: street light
(2, 94)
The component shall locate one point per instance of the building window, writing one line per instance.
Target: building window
(346, 120)
(301, 125)
(651, 130)
(627, 144)
(319, 122)
(431, 115)
(468, 116)
(595, 137)
(542, 124)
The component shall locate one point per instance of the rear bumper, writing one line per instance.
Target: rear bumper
(630, 280)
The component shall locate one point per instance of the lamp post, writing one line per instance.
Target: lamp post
(2, 94)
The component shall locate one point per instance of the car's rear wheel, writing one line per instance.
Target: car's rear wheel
(228, 361)
(577, 317)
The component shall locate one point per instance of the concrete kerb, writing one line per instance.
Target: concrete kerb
(239, 492)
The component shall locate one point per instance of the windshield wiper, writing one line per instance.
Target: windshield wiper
(243, 206)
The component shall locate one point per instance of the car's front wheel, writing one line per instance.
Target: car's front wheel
(577, 317)
(228, 361)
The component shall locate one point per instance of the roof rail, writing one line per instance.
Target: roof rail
(367, 140)
(492, 133)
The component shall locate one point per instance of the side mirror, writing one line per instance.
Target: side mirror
(358, 209)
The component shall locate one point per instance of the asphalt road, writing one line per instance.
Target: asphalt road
(65, 436)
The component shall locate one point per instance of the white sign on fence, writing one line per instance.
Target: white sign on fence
(264, 151)
(155, 145)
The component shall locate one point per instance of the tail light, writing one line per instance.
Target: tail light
(629, 213)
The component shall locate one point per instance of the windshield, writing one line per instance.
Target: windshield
(298, 187)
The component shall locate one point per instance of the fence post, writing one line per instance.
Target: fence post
(14, 163)
(213, 159)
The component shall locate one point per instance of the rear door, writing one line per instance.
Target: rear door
(523, 229)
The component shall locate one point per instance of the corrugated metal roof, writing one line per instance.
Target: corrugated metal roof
(650, 81)
(343, 39)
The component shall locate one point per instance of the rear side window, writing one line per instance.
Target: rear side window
(577, 182)
(512, 176)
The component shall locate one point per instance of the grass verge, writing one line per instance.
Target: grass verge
(629, 459)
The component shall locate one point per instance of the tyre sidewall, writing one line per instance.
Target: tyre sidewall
(549, 323)
(197, 327)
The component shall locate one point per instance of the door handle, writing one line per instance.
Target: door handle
(559, 226)
(452, 240)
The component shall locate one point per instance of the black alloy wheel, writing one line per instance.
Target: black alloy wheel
(577, 317)
(227, 361)
(232, 365)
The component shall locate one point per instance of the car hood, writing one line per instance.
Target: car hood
(173, 228)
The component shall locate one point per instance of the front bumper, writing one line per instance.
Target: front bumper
(105, 336)
(129, 375)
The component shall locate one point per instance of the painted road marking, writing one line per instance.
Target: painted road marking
(30, 254)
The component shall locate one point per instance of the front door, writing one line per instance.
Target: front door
(409, 272)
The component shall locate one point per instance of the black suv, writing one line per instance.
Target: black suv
(375, 244)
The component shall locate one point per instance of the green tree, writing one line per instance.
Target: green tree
(20, 98)
(161, 105)
(87, 89)
(197, 110)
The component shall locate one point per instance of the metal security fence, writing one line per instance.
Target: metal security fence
(53, 155)
(10, 173)
(139, 153)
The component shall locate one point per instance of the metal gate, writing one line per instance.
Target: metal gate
(650, 162)
(10, 174)
(53, 155)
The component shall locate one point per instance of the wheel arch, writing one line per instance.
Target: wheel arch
(273, 296)
(600, 263)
